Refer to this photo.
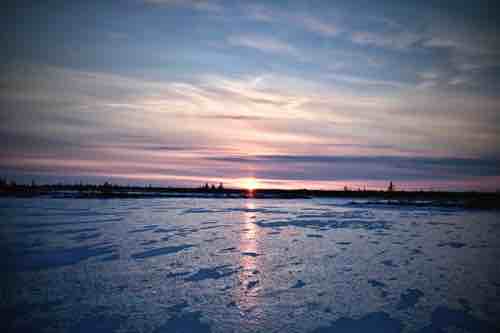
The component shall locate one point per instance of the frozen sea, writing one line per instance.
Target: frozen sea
(246, 265)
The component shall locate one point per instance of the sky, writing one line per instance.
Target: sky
(286, 94)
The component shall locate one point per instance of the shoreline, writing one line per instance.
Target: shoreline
(472, 200)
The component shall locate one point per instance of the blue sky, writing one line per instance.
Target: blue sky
(294, 94)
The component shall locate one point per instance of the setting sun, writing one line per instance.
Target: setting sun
(250, 184)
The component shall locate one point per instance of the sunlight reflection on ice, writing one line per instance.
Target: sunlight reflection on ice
(249, 260)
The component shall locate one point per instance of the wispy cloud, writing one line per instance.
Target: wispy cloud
(428, 79)
(467, 66)
(459, 80)
(260, 13)
(367, 81)
(117, 35)
(395, 39)
(428, 75)
(263, 43)
(307, 22)
(478, 44)
(462, 39)
(426, 84)
(200, 5)
(388, 33)
(440, 42)
(316, 25)
(398, 41)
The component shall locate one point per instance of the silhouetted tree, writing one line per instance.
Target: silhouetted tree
(212, 187)
(106, 187)
(391, 187)
(220, 187)
(346, 188)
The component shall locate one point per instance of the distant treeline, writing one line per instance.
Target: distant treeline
(389, 197)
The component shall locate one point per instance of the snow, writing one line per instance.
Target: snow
(243, 265)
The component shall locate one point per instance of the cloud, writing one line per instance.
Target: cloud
(461, 38)
(459, 80)
(312, 23)
(397, 41)
(165, 125)
(388, 167)
(440, 42)
(426, 85)
(467, 66)
(308, 22)
(264, 44)
(199, 5)
(316, 25)
(465, 44)
(117, 35)
(428, 75)
(366, 81)
(260, 13)
(428, 33)
(233, 117)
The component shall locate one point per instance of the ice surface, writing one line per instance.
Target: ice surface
(244, 265)
(211, 273)
(409, 298)
(185, 323)
(444, 318)
(36, 260)
(372, 322)
(299, 284)
(160, 251)
(456, 245)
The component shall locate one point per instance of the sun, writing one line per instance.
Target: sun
(250, 184)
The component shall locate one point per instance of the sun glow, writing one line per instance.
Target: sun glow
(250, 184)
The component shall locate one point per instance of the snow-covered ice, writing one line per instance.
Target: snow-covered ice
(246, 265)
